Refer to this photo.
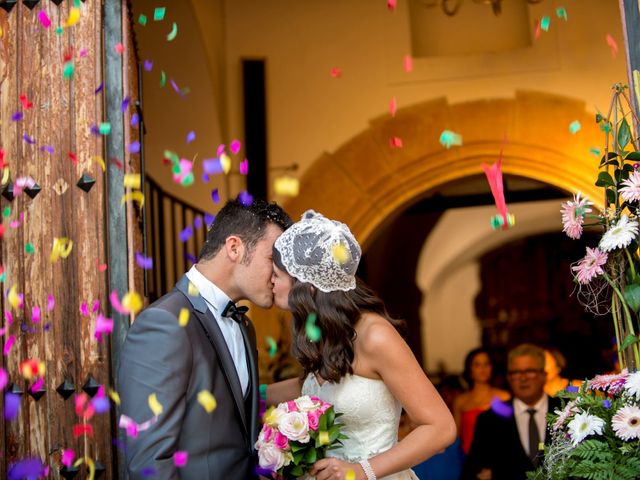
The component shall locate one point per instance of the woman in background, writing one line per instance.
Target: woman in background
(478, 372)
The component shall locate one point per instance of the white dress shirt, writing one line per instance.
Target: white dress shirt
(216, 300)
(522, 419)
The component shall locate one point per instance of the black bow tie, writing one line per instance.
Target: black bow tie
(235, 312)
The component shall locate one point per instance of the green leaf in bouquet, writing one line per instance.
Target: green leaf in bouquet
(632, 296)
(334, 433)
(610, 158)
(627, 167)
(629, 339)
(322, 423)
(298, 456)
(621, 175)
(296, 471)
(633, 156)
(611, 195)
(296, 446)
(310, 456)
(624, 134)
(604, 180)
(599, 117)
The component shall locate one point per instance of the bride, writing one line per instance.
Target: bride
(353, 357)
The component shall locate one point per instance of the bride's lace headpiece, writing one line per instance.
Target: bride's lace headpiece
(321, 252)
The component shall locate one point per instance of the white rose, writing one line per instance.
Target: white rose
(273, 416)
(295, 426)
(305, 404)
(270, 456)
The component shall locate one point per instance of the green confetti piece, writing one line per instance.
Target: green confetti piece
(163, 79)
(273, 346)
(158, 13)
(594, 151)
(29, 248)
(561, 12)
(605, 127)
(187, 180)
(142, 19)
(544, 23)
(311, 329)
(59, 30)
(77, 3)
(175, 169)
(3, 277)
(449, 138)
(105, 128)
(173, 156)
(68, 70)
(574, 127)
(7, 211)
(173, 33)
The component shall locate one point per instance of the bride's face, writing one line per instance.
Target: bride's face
(281, 286)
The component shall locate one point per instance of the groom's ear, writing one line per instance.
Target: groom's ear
(234, 248)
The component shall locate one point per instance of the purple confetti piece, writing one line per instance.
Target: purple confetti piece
(47, 148)
(148, 65)
(35, 314)
(606, 403)
(208, 219)
(205, 178)
(47, 326)
(212, 166)
(4, 378)
(95, 130)
(573, 389)
(125, 104)
(100, 404)
(28, 139)
(500, 408)
(186, 234)
(245, 198)
(235, 146)
(11, 406)
(144, 262)
(83, 52)
(99, 89)
(135, 120)
(16, 117)
(191, 136)
(244, 167)
(190, 258)
(29, 468)
(134, 147)
(197, 222)
(177, 89)
(215, 196)
(148, 471)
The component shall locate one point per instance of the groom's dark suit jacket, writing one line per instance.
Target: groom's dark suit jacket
(496, 445)
(176, 363)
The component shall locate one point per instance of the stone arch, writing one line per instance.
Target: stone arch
(366, 182)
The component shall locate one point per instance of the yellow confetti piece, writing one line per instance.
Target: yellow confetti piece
(114, 396)
(350, 475)
(132, 180)
(5, 176)
(193, 290)
(74, 16)
(155, 405)
(323, 437)
(61, 248)
(14, 299)
(287, 186)
(340, 253)
(132, 302)
(100, 160)
(207, 400)
(225, 163)
(92, 468)
(270, 418)
(183, 318)
(137, 196)
(1, 32)
(636, 84)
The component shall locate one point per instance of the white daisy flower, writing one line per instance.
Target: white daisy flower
(626, 423)
(632, 385)
(630, 191)
(619, 235)
(584, 425)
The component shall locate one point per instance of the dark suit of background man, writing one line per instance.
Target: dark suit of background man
(212, 352)
(506, 447)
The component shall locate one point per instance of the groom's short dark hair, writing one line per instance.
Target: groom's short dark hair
(249, 222)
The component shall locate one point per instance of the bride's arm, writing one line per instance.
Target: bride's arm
(283, 391)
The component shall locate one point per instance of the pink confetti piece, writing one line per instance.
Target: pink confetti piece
(215, 196)
(132, 427)
(104, 326)
(408, 63)
(115, 303)
(244, 167)
(180, 458)
(67, 457)
(35, 314)
(11, 405)
(44, 19)
(612, 45)
(101, 267)
(83, 52)
(125, 104)
(191, 136)
(9, 317)
(148, 65)
(143, 262)
(119, 48)
(538, 30)
(395, 142)
(17, 223)
(391, 5)
(235, 146)
(96, 306)
(220, 150)
(84, 310)
(182, 92)
(8, 344)
(4, 378)
(51, 302)
(37, 385)
(393, 106)
(336, 72)
(494, 177)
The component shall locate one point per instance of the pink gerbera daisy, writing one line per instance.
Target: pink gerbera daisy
(590, 266)
(573, 213)
(611, 383)
(563, 415)
(626, 423)
(630, 191)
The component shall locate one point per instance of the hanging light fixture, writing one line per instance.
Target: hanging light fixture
(451, 7)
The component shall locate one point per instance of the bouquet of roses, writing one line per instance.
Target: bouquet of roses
(597, 433)
(295, 435)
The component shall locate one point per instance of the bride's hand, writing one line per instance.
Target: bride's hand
(334, 469)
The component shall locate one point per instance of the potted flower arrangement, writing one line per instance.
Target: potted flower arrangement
(596, 435)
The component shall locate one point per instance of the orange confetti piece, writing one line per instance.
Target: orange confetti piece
(408, 63)
(612, 45)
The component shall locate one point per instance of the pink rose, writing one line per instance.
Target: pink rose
(324, 407)
(292, 406)
(281, 441)
(314, 418)
(268, 432)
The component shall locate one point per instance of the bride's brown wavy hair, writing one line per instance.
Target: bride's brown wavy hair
(336, 315)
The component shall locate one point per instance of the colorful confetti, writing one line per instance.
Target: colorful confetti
(173, 33)
(244, 167)
(104, 326)
(191, 136)
(561, 12)
(215, 196)
(142, 19)
(207, 400)
(612, 45)
(286, 186)
(336, 72)
(155, 405)
(311, 329)
(143, 262)
(273, 346)
(183, 317)
(545, 22)
(235, 146)
(395, 142)
(180, 458)
(408, 63)
(574, 127)
(393, 106)
(158, 14)
(449, 139)
(11, 405)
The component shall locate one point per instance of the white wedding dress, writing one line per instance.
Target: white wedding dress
(370, 417)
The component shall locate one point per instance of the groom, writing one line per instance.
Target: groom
(194, 344)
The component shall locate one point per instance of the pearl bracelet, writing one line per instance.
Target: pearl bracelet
(368, 471)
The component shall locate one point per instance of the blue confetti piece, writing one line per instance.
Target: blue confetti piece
(245, 198)
(190, 258)
(215, 196)
(16, 117)
(449, 139)
(148, 65)
(544, 23)
(212, 166)
(47, 148)
(11, 405)
(28, 139)
(134, 147)
(197, 222)
(208, 219)
(186, 234)
(574, 127)
(135, 120)
(125, 104)
(99, 89)
(191, 136)
(502, 409)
